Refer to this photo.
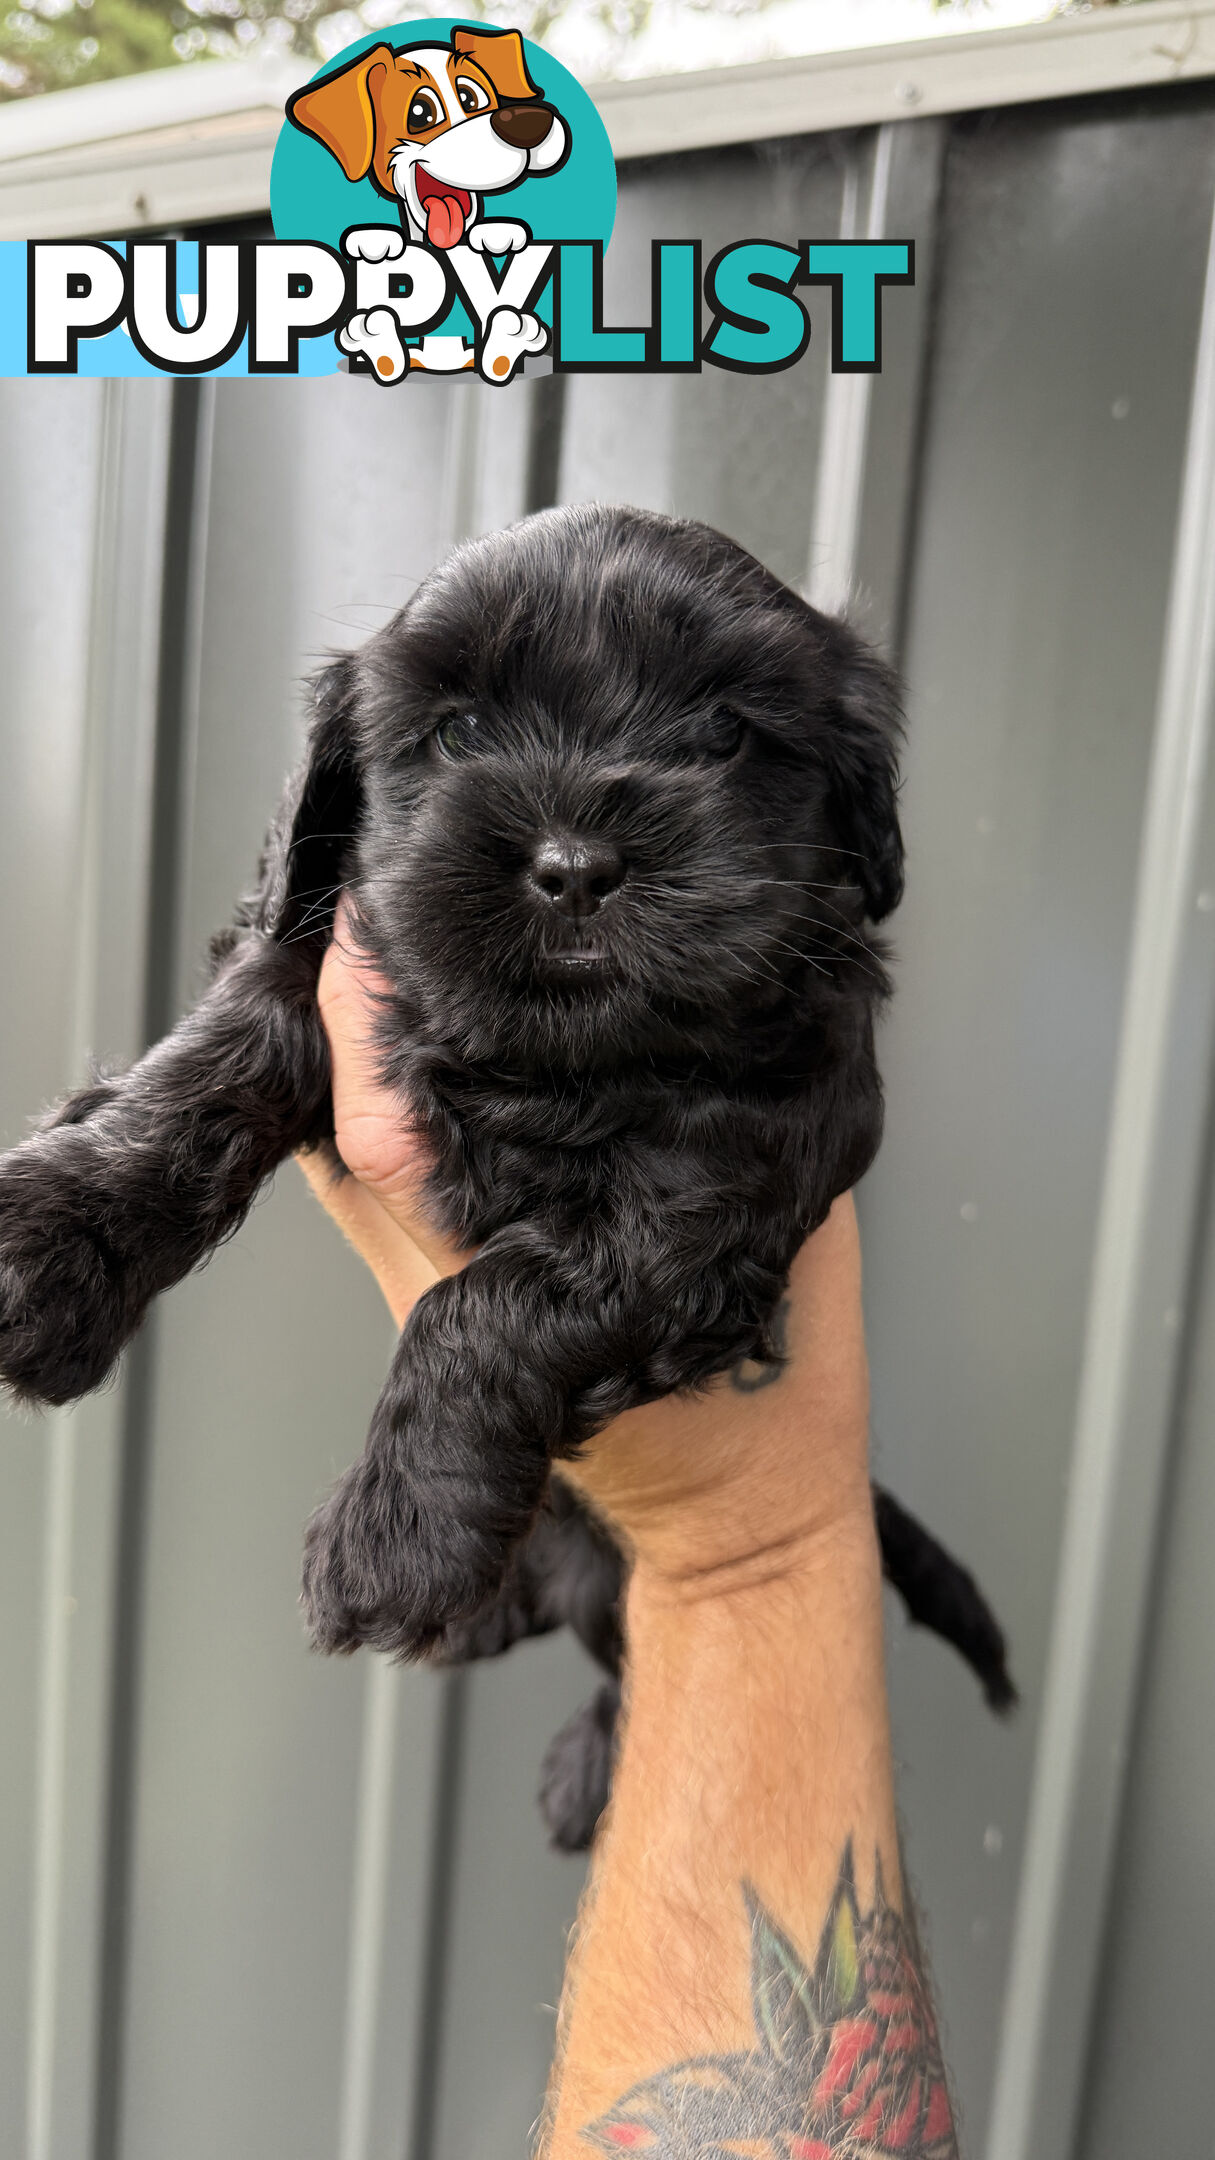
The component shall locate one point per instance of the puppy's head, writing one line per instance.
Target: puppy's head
(618, 792)
(436, 127)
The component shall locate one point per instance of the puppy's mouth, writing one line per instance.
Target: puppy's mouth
(445, 208)
(583, 964)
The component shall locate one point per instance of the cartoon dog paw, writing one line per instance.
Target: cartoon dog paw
(376, 336)
(374, 243)
(509, 337)
(497, 236)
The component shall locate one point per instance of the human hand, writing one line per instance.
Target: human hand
(706, 1492)
(378, 1205)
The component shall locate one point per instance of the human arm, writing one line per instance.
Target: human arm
(753, 1796)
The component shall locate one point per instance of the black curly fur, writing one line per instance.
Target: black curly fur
(636, 1113)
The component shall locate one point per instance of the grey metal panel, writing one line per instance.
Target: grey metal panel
(282, 1828)
(877, 577)
(51, 456)
(1039, 582)
(1149, 2078)
(741, 452)
(50, 450)
(106, 868)
(1138, 1293)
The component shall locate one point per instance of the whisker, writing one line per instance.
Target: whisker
(862, 958)
(805, 957)
(313, 915)
(326, 892)
(820, 847)
(808, 884)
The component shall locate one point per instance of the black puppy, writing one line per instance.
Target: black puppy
(616, 809)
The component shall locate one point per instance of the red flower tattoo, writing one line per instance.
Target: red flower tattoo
(847, 2067)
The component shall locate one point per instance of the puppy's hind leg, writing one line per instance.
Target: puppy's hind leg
(568, 1572)
(586, 1584)
(576, 1775)
(138, 1178)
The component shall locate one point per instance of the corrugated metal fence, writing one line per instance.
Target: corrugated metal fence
(256, 1905)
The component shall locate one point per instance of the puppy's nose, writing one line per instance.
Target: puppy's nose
(522, 126)
(575, 874)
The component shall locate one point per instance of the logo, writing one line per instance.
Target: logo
(443, 160)
(442, 195)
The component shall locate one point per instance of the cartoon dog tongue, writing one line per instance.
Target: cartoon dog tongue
(444, 220)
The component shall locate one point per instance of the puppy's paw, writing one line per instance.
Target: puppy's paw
(497, 236)
(576, 1776)
(509, 337)
(62, 1316)
(374, 243)
(508, 1619)
(380, 1570)
(376, 337)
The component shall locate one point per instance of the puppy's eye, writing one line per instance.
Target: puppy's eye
(455, 737)
(423, 111)
(471, 95)
(722, 734)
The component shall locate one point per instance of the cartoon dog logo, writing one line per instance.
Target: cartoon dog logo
(437, 128)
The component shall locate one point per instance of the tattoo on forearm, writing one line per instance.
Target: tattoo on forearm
(751, 1375)
(847, 2064)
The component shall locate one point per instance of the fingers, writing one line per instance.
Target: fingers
(400, 1267)
(374, 1138)
(378, 1206)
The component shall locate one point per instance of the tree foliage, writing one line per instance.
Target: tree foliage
(55, 44)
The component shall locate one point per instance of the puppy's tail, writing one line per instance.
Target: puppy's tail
(941, 1594)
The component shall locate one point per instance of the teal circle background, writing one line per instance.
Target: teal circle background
(311, 198)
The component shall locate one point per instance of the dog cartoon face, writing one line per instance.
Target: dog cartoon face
(436, 127)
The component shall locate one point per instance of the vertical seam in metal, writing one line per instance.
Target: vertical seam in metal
(161, 909)
(546, 439)
(933, 307)
(372, 1861)
(1170, 833)
(51, 1771)
(55, 1678)
(439, 1908)
(845, 427)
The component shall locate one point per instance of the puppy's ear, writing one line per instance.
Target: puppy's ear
(862, 755)
(499, 54)
(341, 109)
(310, 846)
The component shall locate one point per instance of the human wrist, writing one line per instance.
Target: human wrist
(808, 1555)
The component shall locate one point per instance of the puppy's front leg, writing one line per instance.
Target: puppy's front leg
(138, 1177)
(541, 1340)
(498, 1369)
